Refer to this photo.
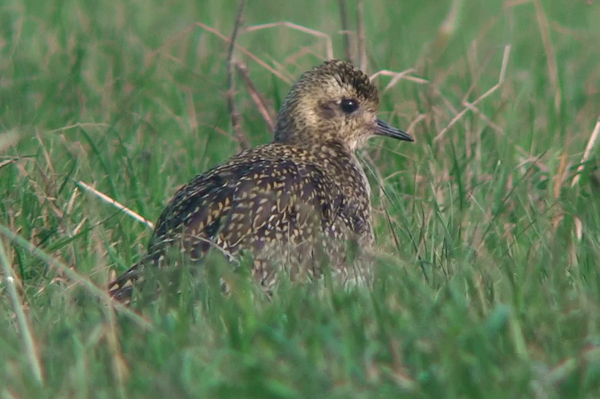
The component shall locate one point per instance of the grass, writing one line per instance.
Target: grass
(491, 291)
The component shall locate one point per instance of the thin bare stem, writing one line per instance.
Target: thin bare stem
(592, 142)
(114, 203)
(7, 162)
(25, 330)
(76, 125)
(261, 103)
(245, 51)
(448, 27)
(397, 76)
(360, 27)
(230, 94)
(549, 50)
(514, 3)
(560, 174)
(291, 25)
(345, 29)
(482, 97)
(484, 117)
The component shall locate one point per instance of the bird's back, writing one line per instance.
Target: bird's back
(276, 201)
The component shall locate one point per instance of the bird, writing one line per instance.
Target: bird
(290, 203)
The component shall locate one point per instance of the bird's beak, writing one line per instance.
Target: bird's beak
(383, 129)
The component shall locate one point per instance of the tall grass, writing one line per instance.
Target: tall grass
(488, 284)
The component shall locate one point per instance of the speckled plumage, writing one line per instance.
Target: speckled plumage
(287, 201)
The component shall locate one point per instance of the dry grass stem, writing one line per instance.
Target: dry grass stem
(76, 125)
(243, 50)
(7, 162)
(592, 142)
(448, 27)
(259, 100)
(230, 94)
(484, 117)
(397, 76)
(345, 30)
(514, 3)
(291, 25)
(559, 177)
(361, 40)
(114, 203)
(549, 51)
(481, 98)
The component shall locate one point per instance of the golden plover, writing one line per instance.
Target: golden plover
(290, 202)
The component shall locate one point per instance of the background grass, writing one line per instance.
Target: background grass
(492, 292)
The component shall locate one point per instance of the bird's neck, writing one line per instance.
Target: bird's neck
(342, 163)
(332, 150)
(326, 152)
(336, 157)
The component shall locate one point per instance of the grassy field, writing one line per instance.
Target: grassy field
(488, 285)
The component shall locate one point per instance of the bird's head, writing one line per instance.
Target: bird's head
(333, 101)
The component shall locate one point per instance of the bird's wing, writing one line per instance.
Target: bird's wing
(245, 204)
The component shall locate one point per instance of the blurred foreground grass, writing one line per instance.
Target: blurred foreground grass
(493, 290)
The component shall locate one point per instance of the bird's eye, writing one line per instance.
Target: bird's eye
(349, 105)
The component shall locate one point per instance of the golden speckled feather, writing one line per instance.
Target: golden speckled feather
(282, 200)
